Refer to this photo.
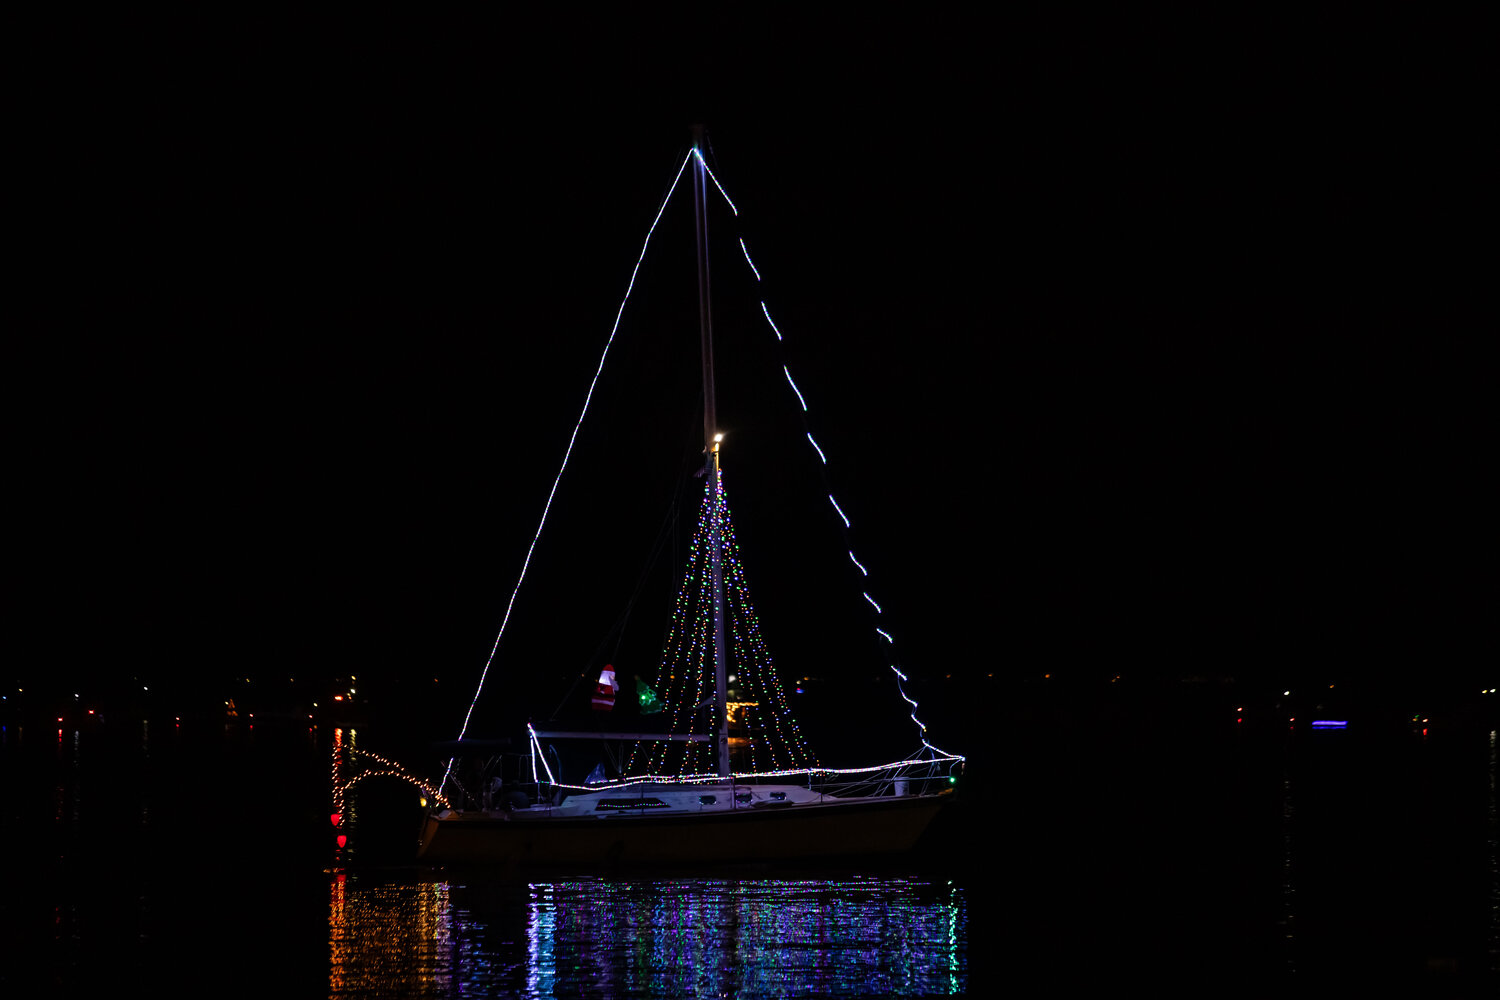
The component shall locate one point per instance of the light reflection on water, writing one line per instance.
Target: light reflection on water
(635, 937)
(389, 937)
(121, 828)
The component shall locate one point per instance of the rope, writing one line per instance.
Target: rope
(561, 469)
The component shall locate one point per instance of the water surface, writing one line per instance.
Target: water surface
(401, 934)
(203, 862)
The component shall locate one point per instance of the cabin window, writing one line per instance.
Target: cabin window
(707, 800)
(742, 797)
(778, 796)
(616, 805)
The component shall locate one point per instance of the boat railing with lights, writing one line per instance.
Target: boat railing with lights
(488, 782)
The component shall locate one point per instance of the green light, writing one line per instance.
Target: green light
(952, 780)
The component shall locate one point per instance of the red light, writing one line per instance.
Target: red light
(342, 840)
(91, 711)
(335, 817)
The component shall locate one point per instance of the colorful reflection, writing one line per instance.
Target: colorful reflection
(648, 937)
(389, 939)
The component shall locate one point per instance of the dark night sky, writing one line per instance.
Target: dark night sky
(1139, 347)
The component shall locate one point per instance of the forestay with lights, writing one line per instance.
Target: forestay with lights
(739, 784)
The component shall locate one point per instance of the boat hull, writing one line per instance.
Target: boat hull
(853, 828)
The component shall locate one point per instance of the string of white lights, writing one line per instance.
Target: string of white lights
(821, 456)
(388, 768)
(746, 251)
(842, 516)
(901, 678)
(567, 453)
(767, 313)
(796, 390)
(421, 785)
(705, 778)
(710, 173)
(536, 751)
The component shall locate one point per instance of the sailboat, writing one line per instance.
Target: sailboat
(726, 776)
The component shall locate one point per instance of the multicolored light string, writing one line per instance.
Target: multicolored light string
(752, 655)
(901, 678)
(773, 737)
(686, 636)
(567, 453)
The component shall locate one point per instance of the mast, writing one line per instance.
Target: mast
(711, 438)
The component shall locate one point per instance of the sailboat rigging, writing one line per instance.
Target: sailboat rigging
(682, 783)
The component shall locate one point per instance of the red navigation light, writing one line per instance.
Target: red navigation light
(335, 817)
(342, 840)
